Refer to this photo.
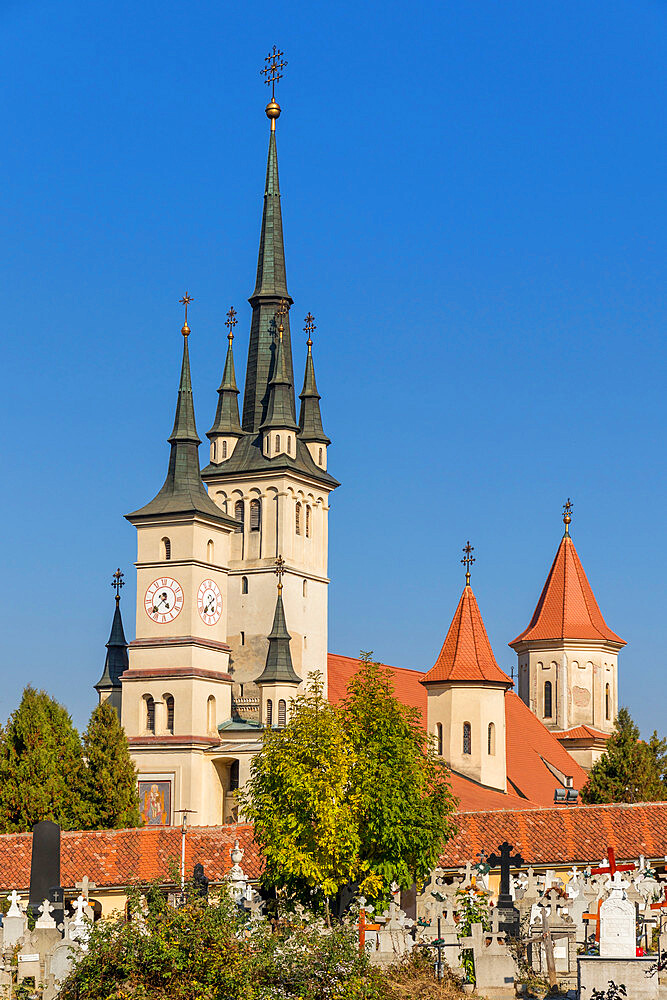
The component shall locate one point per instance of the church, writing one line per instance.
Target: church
(232, 594)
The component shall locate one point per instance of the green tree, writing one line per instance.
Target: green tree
(109, 778)
(301, 800)
(630, 770)
(400, 787)
(40, 766)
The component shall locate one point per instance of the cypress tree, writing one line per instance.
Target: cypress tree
(629, 770)
(109, 780)
(40, 766)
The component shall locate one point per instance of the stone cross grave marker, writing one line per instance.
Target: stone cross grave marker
(509, 915)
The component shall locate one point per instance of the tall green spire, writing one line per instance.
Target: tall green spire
(183, 490)
(227, 415)
(270, 291)
(116, 661)
(278, 667)
(310, 418)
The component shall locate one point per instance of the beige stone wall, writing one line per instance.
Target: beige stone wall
(481, 706)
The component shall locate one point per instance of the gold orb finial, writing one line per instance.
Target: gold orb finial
(272, 110)
(186, 300)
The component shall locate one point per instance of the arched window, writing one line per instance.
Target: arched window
(282, 713)
(547, 700)
(255, 514)
(210, 548)
(297, 519)
(224, 449)
(221, 500)
(166, 548)
(289, 444)
(233, 776)
(491, 740)
(210, 714)
(277, 443)
(269, 712)
(169, 709)
(438, 736)
(320, 456)
(149, 709)
(305, 588)
(244, 584)
(607, 702)
(307, 522)
(239, 514)
(467, 738)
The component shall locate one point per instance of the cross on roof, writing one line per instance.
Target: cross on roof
(611, 867)
(567, 515)
(117, 582)
(468, 560)
(279, 570)
(186, 300)
(309, 328)
(230, 323)
(274, 64)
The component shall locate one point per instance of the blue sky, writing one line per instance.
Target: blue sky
(474, 210)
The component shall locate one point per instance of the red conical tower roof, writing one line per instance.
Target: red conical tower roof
(466, 654)
(567, 608)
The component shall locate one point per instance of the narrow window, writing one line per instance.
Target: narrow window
(289, 445)
(210, 548)
(467, 738)
(241, 690)
(297, 522)
(320, 456)
(233, 776)
(210, 714)
(239, 514)
(307, 522)
(150, 713)
(491, 740)
(282, 713)
(169, 706)
(243, 638)
(305, 588)
(305, 642)
(277, 443)
(215, 451)
(166, 548)
(269, 712)
(547, 699)
(244, 584)
(268, 445)
(255, 514)
(438, 731)
(607, 702)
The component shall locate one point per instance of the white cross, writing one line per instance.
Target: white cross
(85, 885)
(15, 908)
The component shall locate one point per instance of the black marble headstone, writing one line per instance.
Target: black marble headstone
(45, 867)
(200, 881)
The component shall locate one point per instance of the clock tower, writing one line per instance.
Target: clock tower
(177, 688)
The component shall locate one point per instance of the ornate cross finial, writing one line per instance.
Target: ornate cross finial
(567, 515)
(272, 70)
(309, 328)
(118, 582)
(281, 312)
(186, 300)
(230, 323)
(280, 569)
(468, 560)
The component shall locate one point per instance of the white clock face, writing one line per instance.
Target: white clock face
(209, 602)
(163, 600)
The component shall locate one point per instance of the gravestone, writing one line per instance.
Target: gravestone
(618, 926)
(14, 922)
(495, 968)
(200, 881)
(508, 913)
(45, 867)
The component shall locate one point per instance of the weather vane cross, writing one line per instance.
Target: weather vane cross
(468, 560)
(118, 582)
(186, 300)
(281, 312)
(230, 323)
(567, 515)
(272, 70)
(280, 569)
(309, 328)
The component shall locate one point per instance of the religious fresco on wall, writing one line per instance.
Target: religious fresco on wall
(155, 802)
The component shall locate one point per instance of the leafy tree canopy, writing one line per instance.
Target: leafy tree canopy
(109, 779)
(630, 770)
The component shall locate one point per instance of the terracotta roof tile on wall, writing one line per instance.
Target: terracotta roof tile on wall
(563, 835)
(581, 733)
(567, 608)
(466, 654)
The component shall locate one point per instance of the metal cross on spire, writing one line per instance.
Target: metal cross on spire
(117, 582)
(230, 323)
(280, 569)
(272, 70)
(186, 300)
(468, 560)
(281, 312)
(567, 515)
(309, 328)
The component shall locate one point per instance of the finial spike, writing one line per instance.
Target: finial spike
(186, 300)
(280, 569)
(272, 73)
(567, 515)
(117, 582)
(230, 323)
(309, 328)
(468, 560)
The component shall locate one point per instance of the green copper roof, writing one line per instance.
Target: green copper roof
(310, 418)
(249, 457)
(280, 411)
(227, 415)
(183, 491)
(116, 661)
(278, 668)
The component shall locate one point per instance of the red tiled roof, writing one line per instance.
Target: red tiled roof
(466, 653)
(407, 688)
(119, 857)
(581, 733)
(567, 608)
(563, 835)
(473, 796)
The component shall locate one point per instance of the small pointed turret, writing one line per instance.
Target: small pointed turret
(279, 411)
(310, 418)
(116, 661)
(278, 669)
(226, 426)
